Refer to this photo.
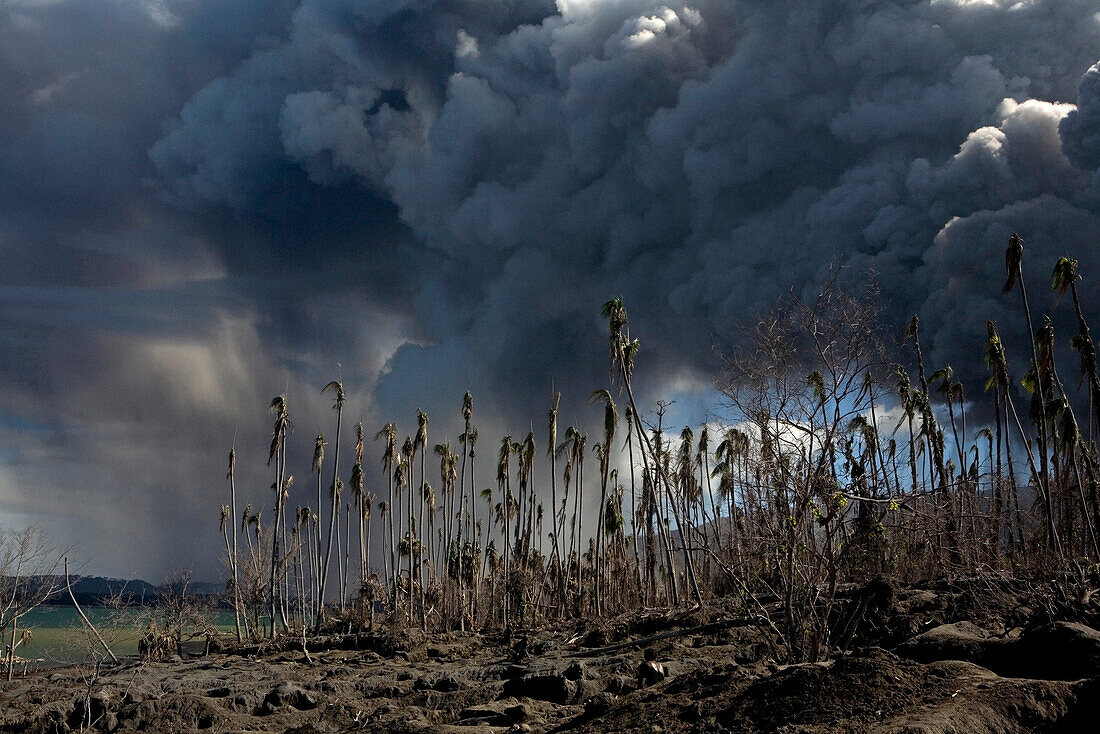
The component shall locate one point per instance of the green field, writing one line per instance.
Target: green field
(59, 635)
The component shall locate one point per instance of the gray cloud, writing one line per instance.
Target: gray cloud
(211, 201)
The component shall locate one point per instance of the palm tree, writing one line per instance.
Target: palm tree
(232, 510)
(998, 381)
(226, 514)
(728, 454)
(420, 444)
(946, 378)
(581, 446)
(610, 423)
(702, 462)
(629, 416)
(622, 352)
(358, 487)
(507, 448)
(389, 462)
(383, 511)
(448, 473)
(278, 455)
(1066, 428)
(338, 406)
(908, 406)
(356, 483)
(408, 456)
(467, 419)
(568, 449)
(318, 462)
(689, 489)
(301, 526)
(930, 428)
(995, 354)
(551, 451)
(1014, 256)
(365, 507)
(1065, 277)
(526, 452)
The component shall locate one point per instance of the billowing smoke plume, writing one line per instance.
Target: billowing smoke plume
(439, 194)
(698, 159)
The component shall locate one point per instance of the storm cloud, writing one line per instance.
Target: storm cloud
(206, 203)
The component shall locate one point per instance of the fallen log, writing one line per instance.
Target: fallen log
(704, 629)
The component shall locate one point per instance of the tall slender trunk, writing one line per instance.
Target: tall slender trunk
(1043, 479)
(689, 562)
(340, 568)
(633, 508)
(362, 510)
(420, 544)
(598, 560)
(998, 500)
(233, 552)
(347, 554)
(272, 587)
(319, 601)
(390, 514)
(335, 510)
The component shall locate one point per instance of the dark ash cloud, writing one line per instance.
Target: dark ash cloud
(211, 201)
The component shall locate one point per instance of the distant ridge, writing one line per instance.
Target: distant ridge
(93, 590)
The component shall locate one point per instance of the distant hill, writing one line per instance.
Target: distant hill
(102, 586)
(93, 590)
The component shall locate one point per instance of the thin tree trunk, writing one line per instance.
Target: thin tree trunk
(335, 511)
(233, 553)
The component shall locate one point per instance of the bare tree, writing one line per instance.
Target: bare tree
(29, 565)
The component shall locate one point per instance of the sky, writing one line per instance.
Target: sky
(206, 204)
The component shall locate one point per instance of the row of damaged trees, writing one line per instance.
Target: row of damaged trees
(841, 457)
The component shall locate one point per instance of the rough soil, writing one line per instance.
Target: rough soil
(967, 657)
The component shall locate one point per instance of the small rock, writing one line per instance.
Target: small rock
(515, 671)
(517, 713)
(692, 712)
(598, 705)
(481, 713)
(553, 687)
(287, 693)
(618, 685)
(437, 682)
(577, 671)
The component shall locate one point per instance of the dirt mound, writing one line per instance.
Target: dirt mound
(862, 688)
(1058, 651)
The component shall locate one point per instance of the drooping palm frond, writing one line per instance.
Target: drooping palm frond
(356, 480)
(610, 415)
(995, 358)
(421, 440)
(337, 388)
(318, 453)
(911, 329)
(1064, 275)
